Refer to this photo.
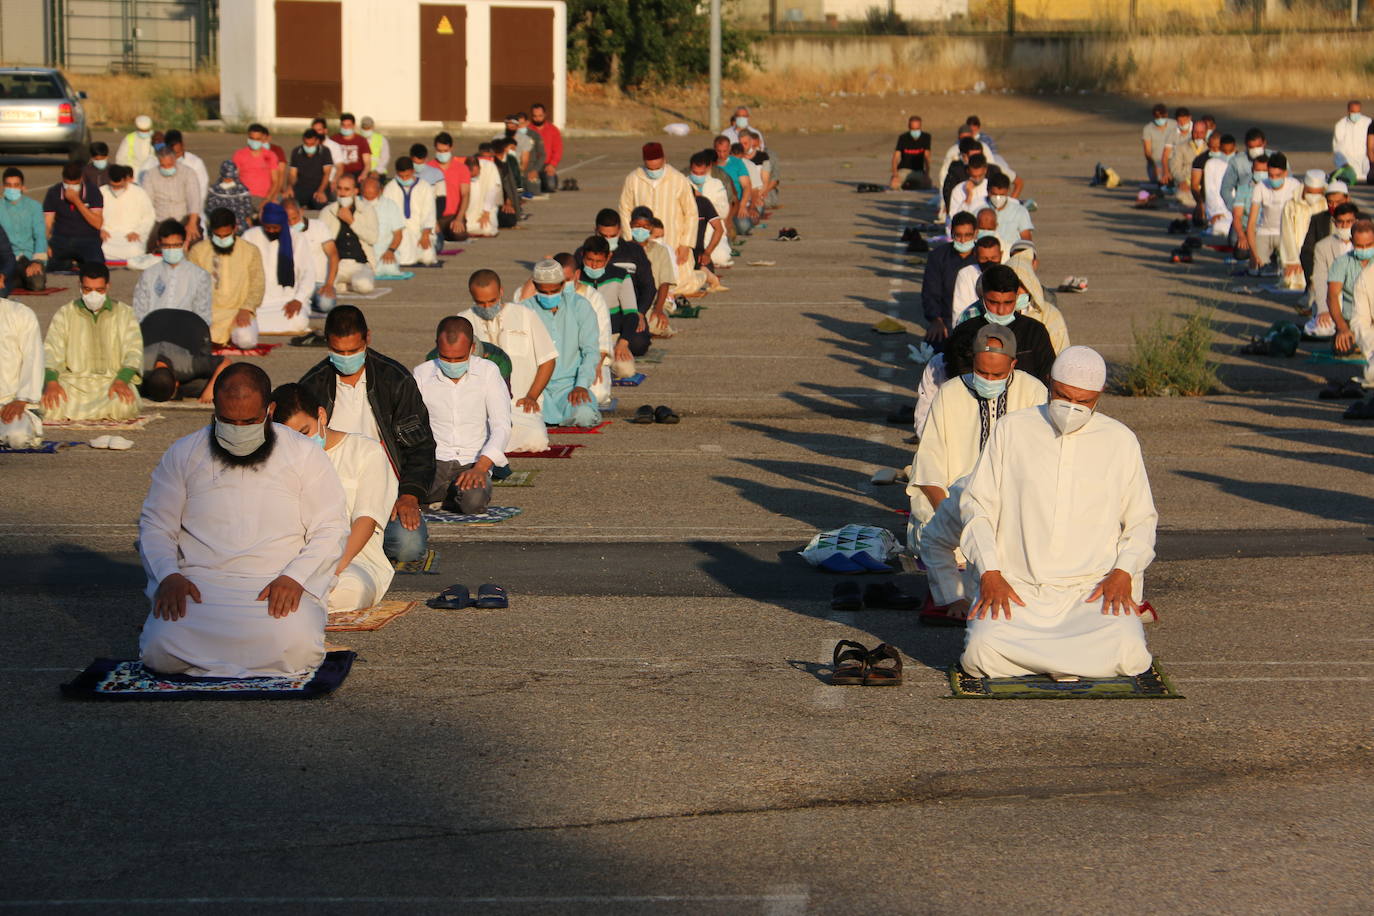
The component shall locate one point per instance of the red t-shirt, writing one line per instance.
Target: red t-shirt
(354, 148)
(255, 169)
(456, 174)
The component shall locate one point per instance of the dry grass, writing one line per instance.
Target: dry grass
(114, 100)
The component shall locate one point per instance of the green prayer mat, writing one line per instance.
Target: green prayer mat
(1153, 684)
(1326, 356)
(517, 479)
(652, 358)
(688, 311)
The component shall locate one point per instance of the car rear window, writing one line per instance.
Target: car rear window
(18, 86)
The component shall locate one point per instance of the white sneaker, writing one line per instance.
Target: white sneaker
(119, 443)
(101, 442)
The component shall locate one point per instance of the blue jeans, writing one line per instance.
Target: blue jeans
(401, 544)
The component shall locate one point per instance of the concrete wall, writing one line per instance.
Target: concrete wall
(1097, 10)
(755, 12)
(381, 60)
(22, 41)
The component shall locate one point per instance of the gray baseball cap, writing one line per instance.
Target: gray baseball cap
(995, 332)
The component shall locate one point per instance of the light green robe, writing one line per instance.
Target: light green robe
(85, 352)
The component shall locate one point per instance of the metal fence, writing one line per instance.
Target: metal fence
(133, 36)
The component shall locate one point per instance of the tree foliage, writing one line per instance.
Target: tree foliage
(647, 42)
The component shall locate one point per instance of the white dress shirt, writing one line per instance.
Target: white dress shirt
(470, 416)
(352, 413)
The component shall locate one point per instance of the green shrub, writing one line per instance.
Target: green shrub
(1171, 358)
(173, 110)
(880, 21)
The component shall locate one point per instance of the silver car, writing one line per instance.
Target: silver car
(40, 112)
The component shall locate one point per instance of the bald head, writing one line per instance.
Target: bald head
(242, 392)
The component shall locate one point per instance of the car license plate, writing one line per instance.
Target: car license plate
(21, 114)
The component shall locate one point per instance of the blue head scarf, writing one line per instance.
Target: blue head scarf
(286, 264)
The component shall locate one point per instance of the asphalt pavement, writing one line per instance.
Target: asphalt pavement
(648, 728)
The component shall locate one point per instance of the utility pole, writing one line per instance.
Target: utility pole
(714, 119)
(1011, 17)
(1354, 12)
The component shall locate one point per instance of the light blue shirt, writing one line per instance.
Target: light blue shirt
(1012, 220)
(389, 219)
(426, 172)
(1346, 271)
(22, 221)
(185, 286)
(574, 332)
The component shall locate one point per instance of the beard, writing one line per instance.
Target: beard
(253, 460)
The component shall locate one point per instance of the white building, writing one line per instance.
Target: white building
(820, 12)
(406, 63)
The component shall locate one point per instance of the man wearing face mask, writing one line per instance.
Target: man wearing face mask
(1209, 170)
(553, 146)
(739, 122)
(668, 193)
(1242, 166)
(173, 192)
(1324, 254)
(136, 149)
(469, 411)
(353, 231)
(1059, 526)
(629, 257)
(937, 286)
(1013, 219)
(1156, 139)
(21, 222)
(484, 201)
(261, 172)
(525, 338)
(962, 416)
(357, 152)
(288, 275)
(391, 228)
(365, 392)
(1266, 212)
(414, 200)
(238, 582)
(1350, 313)
(73, 214)
(628, 326)
(986, 250)
(98, 168)
(1293, 225)
(457, 186)
(1349, 143)
(21, 376)
(1319, 227)
(93, 355)
(710, 190)
(1003, 304)
(172, 283)
(126, 231)
(911, 158)
(238, 282)
(310, 239)
(571, 324)
(311, 172)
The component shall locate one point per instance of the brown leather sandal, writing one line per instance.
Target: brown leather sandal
(850, 664)
(884, 667)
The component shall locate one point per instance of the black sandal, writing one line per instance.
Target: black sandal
(884, 667)
(644, 414)
(889, 597)
(664, 414)
(846, 597)
(849, 665)
(453, 598)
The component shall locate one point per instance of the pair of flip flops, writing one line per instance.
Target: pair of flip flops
(788, 235)
(456, 597)
(1341, 391)
(854, 665)
(660, 414)
(1073, 285)
(866, 187)
(880, 596)
(114, 443)
(570, 184)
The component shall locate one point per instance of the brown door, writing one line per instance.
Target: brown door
(521, 59)
(309, 58)
(443, 63)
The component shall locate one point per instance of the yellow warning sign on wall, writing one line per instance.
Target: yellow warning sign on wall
(445, 27)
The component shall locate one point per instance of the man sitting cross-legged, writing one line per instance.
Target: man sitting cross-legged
(243, 525)
(469, 412)
(288, 274)
(21, 376)
(414, 199)
(363, 572)
(94, 355)
(235, 268)
(367, 393)
(572, 325)
(1059, 526)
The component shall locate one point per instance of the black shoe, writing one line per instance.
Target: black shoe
(903, 416)
(916, 244)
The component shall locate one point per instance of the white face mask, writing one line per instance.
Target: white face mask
(1068, 417)
(1342, 233)
(997, 200)
(93, 300)
(240, 440)
(345, 201)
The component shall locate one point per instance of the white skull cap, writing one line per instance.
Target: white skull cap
(548, 271)
(143, 122)
(1315, 178)
(1081, 367)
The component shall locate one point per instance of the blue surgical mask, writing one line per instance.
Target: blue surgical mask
(1022, 301)
(987, 388)
(1003, 320)
(1160, 122)
(487, 312)
(653, 173)
(614, 242)
(1275, 183)
(166, 171)
(984, 234)
(915, 134)
(311, 150)
(101, 164)
(1216, 154)
(13, 194)
(226, 241)
(698, 180)
(318, 440)
(964, 247)
(742, 121)
(548, 301)
(255, 144)
(1363, 254)
(345, 131)
(405, 182)
(452, 370)
(144, 134)
(1354, 116)
(173, 256)
(1258, 177)
(240, 440)
(593, 273)
(640, 234)
(444, 155)
(347, 365)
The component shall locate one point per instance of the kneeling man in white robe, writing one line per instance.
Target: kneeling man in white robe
(243, 526)
(1059, 525)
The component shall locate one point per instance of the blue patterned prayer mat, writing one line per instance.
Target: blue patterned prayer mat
(1152, 684)
(630, 381)
(493, 515)
(49, 447)
(113, 679)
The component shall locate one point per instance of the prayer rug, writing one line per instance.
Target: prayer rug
(133, 423)
(38, 292)
(403, 275)
(113, 679)
(653, 357)
(578, 430)
(435, 266)
(630, 381)
(553, 451)
(116, 263)
(1327, 357)
(688, 311)
(448, 252)
(183, 404)
(377, 293)
(1153, 684)
(49, 447)
(261, 349)
(423, 565)
(371, 618)
(492, 516)
(517, 479)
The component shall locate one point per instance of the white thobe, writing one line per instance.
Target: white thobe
(231, 531)
(713, 189)
(272, 318)
(601, 387)
(1362, 322)
(966, 200)
(1213, 173)
(670, 197)
(965, 289)
(422, 217)
(389, 220)
(310, 236)
(1055, 514)
(521, 333)
(939, 550)
(1349, 144)
(369, 486)
(484, 198)
(21, 373)
(131, 210)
